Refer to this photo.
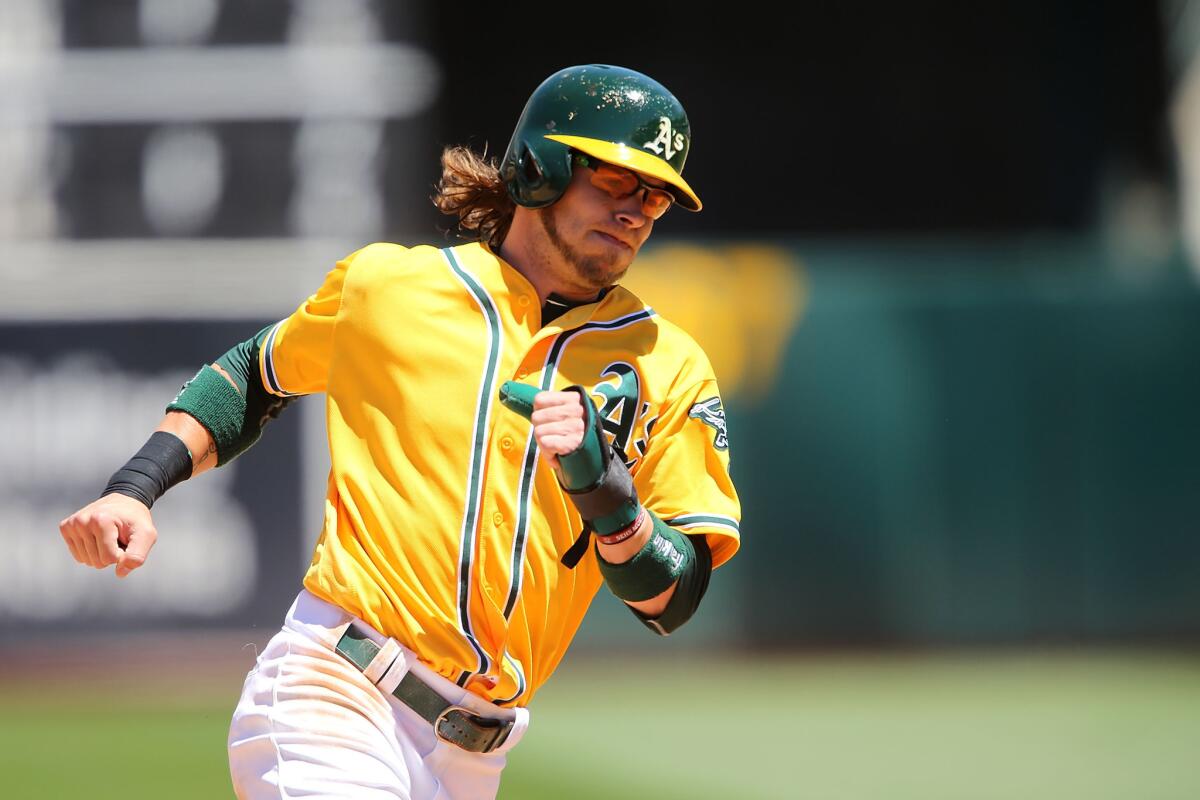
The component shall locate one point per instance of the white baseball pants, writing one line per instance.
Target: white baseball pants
(310, 724)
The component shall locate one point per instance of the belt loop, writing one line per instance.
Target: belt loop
(383, 661)
(395, 672)
(359, 648)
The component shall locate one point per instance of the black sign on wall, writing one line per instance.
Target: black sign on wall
(224, 119)
(76, 400)
(863, 117)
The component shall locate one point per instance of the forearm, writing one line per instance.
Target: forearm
(199, 441)
(217, 415)
(664, 580)
(621, 552)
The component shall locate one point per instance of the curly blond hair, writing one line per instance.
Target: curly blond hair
(472, 190)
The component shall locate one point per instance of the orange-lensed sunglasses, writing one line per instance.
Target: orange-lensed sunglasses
(620, 182)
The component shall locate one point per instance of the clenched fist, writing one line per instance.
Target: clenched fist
(115, 529)
(567, 430)
(559, 423)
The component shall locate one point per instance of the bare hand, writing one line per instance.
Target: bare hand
(115, 529)
(558, 423)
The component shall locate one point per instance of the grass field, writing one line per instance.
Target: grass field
(1061, 727)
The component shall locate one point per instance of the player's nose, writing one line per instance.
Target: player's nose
(629, 211)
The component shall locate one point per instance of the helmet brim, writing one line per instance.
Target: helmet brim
(636, 160)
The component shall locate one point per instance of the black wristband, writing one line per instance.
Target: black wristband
(163, 461)
(612, 503)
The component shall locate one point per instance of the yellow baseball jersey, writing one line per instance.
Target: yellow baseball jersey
(443, 527)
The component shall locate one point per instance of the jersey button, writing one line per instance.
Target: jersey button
(497, 519)
(523, 300)
(506, 443)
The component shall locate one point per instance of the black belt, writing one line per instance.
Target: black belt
(454, 724)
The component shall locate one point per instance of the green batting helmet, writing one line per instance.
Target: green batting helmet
(610, 113)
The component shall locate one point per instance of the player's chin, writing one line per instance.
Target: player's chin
(613, 254)
(600, 273)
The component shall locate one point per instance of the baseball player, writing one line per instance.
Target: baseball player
(509, 429)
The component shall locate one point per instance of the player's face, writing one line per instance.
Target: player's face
(596, 234)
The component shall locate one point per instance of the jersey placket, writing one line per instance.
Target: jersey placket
(514, 445)
(501, 546)
(503, 524)
(513, 462)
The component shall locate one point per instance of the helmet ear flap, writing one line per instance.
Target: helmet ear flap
(533, 176)
(523, 172)
(531, 167)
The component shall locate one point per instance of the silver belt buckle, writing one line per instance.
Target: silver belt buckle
(470, 739)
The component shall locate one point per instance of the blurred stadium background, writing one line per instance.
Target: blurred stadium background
(947, 272)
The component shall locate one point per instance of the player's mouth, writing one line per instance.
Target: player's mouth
(613, 240)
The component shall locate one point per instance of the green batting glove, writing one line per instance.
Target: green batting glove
(594, 478)
(518, 397)
(583, 467)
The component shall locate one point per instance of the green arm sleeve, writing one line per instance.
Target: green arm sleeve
(689, 590)
(241, 361)
(234, 417)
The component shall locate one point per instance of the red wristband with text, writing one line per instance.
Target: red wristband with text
(616, 537)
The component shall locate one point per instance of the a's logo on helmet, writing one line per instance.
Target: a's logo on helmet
(711, 414)
(667, 143)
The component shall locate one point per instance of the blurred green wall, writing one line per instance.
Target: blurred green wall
(946, 441)
(976, 441)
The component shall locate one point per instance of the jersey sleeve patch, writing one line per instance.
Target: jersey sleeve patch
(711, 414)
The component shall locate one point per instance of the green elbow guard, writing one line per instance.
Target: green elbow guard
(233, 415)
(216, 404)
(689, 589)
(665, 556)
